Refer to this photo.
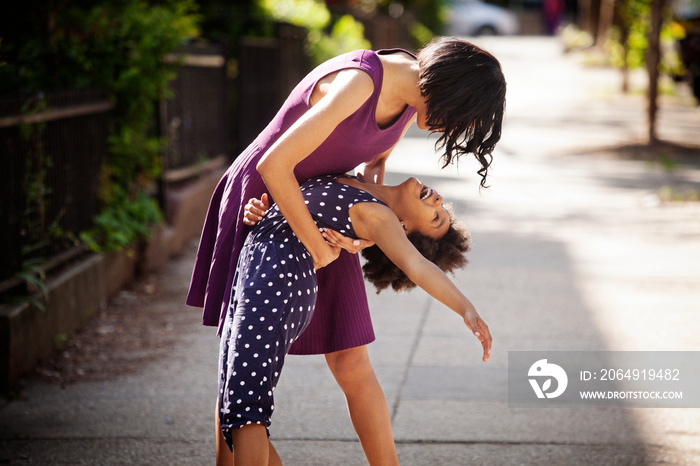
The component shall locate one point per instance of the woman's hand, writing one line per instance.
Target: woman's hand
(256, 209)
(481, 331)
(353, 246)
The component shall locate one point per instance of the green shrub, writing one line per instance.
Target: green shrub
(346, 35)
(120, 45)
(309, 14)
(635, 14)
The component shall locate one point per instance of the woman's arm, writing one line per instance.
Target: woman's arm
(379, 224)
(373, 172)
(348, 91)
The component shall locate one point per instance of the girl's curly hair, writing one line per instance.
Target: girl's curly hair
(448, 253)
(466, 95)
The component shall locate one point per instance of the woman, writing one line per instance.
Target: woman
(275, 290)
(349, 111)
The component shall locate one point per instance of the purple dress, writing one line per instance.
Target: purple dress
(273, 302)
(341, 319)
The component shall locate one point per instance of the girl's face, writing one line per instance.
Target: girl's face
(420, 209)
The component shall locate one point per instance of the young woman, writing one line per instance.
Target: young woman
(275, 288)
(349, 111)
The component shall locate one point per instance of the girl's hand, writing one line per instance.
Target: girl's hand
(481, 331)
(333, 253)
(353, 246)
(256, 209)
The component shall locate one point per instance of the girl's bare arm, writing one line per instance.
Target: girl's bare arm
(379, 224)
(348, 91)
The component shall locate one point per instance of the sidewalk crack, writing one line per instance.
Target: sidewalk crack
(416, 340)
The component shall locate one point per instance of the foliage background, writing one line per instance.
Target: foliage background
(120, 45)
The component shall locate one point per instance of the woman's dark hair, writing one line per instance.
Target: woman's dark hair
(465, 91)
(447, 253)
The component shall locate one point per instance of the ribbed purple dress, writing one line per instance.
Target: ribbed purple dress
(341, 319)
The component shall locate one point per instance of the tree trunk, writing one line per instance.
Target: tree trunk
(653, 59)
(624, 40)
(605, 21)
(585, 16)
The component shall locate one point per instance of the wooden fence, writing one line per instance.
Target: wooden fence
(52, 146)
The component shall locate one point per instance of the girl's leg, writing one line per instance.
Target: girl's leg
(274, 457)
(367, 406)
(224, 456)
(251, 446)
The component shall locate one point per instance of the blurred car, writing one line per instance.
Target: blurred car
(476, 18)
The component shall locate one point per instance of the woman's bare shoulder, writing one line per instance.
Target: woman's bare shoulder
(351, 83)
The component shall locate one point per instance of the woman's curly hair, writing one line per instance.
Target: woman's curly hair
(465, 91)
(448, 253)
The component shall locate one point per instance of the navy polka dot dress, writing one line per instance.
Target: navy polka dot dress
(272, 302)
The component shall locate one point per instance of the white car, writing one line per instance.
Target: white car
(476, 18)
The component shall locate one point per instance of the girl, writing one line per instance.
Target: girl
(349, 111)
(275, 292)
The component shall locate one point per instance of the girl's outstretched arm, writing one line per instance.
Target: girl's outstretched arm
(379, 224)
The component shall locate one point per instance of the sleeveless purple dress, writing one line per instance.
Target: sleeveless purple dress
(341, 319)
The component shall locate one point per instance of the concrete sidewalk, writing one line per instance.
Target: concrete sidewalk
(570, 252)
